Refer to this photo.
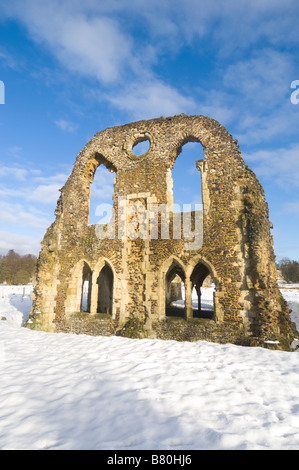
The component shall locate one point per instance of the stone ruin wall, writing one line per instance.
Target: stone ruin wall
(236, 251)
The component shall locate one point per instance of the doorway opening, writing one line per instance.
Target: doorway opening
(175, 291)
(105, 290)
(202, 292)
(86, 288)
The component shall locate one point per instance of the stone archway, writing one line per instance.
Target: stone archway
(199, 274)
(199, 269)
(174, 278)
(79, 288)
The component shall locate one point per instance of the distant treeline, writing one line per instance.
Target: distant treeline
(289, 269)
(16, 269)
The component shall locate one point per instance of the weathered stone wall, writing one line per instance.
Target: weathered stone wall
(236, 249)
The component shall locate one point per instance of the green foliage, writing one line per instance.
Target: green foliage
(16, 269)
(289, 270)
(134, 328)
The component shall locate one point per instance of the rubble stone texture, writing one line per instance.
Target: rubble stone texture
(129, 265)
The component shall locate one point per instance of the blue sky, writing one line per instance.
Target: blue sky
(73, 68)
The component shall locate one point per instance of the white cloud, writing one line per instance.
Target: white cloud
(7, 59)
(21, 215)
(24, 209)
(262, 79)
(66, 126)
(235, 25)
(93, 47)
(216, 104)
(58, 178)
(253, 97)
(45, 193)
(13, 172)
(102, 40)
(89, 44)
(40, 189)
(97, 38)
(268, 128)
(19, 243)
(281, 165)
(152, 98)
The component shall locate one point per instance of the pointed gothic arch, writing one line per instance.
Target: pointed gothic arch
(186, 178)
(86, 288)
(199, 269)
(105, 287)
(101, 189)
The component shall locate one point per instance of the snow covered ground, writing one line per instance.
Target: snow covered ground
(63, 391)
(291, 294)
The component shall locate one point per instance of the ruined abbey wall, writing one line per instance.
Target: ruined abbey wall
(130, 263)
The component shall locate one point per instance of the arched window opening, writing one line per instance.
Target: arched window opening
(101, 195)
(105, 290)
(187, 178)
(86, 288)
(175, 291)
(202, 292)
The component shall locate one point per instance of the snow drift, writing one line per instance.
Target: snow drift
(63, 391)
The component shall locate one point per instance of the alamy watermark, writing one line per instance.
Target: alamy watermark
(137, 218)
(2, 92)
(295, 95)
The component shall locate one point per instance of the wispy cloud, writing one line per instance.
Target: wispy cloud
(66, 126)
(117, 54)
(27, 208)
(13, 172)
(152, 98)
(28, 201)
(7, 59)
(33, 185)
(20, 243)
(254, 97)
(281, 165)
(91, 45)
(263, 78)
(98, 40)
(16, 213)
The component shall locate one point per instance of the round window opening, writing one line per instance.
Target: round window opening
(141, 147)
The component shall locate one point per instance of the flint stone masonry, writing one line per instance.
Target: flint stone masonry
(129, 273)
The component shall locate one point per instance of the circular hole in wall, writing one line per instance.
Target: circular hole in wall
(141, 146)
